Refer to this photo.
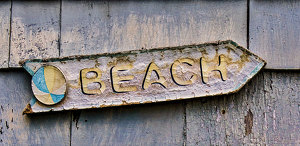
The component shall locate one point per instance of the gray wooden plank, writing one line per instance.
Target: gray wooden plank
(92, 27)
(4, 32)
(151, 124)
(35, 30)
(264, 112)
(275, 32)
(18, 129)
(111, 26)
(204, 122)
(282, 108)
(84, 27)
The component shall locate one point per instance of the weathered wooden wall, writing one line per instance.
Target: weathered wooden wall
(265, 112)
(274, 32)
(4, 32)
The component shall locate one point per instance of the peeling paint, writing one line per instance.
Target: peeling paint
(146, 76)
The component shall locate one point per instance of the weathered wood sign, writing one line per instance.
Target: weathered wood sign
(142, 76)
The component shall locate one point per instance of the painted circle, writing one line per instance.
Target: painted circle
(48, 85)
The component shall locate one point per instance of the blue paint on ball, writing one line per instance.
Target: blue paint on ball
(56, 98)
(41, 91)
(39, 80)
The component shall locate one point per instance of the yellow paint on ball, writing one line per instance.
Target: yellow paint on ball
(49, 85)
(54, 78)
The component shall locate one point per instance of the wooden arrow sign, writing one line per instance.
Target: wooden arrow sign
(142, 76)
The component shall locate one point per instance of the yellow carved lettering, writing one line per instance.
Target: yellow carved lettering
(208, 66)
(174, 74)
(88, 80)
(116, 79)
(147, 82)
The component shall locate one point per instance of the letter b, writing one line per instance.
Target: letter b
(88, 80)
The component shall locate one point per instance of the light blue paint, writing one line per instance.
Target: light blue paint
(32, 101)
(254, 71)
(39, 80)
(56, 98)
(29, 70)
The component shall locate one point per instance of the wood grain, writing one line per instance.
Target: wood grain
(151, 124)
(112, 26)
(282, 108)
(18, 129)
(4, 32)
(275, 32)
(35, 30)
(144, 76)
(264, 112)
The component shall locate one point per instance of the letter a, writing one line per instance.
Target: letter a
(147, 82)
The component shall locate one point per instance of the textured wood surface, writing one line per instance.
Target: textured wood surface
(18, 129)
(264, 112)
(142, 76)
(151, 124)
(275, 32)
(282, 108)
(113, 26)
(34, 30)
(4, 32)
(129, 25)
(90, 27)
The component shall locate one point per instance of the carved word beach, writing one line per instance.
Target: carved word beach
(143, 76)
(183, 72)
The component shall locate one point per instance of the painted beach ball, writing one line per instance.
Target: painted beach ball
(49, 85)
